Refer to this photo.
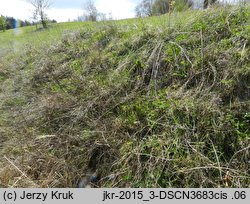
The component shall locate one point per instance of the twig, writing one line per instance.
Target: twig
(217, 158)
(243, 49)
(23, 174)
(183, 51)
(242, 150)
(18, 169)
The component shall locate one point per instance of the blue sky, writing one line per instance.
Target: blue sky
(62, 10)
(67, 3)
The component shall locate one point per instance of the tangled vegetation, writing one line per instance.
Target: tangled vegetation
(141, 103)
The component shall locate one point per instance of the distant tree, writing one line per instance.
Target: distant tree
(110, 16)
(91, 10)
(181, 5)
(208, 3)
(144, 8)
(54, 21)
(40, 7)
(7, 23)
(152, 7)
(161, 7)
(2, 23)
(35, 18)
(81, 18)
(102, 16)
(11, 23)
(26, 23)
(21, 23)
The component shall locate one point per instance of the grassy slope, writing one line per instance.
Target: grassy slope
(144, 103)
(16, 39)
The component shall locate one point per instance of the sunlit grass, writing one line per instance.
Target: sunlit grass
(16, 39)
